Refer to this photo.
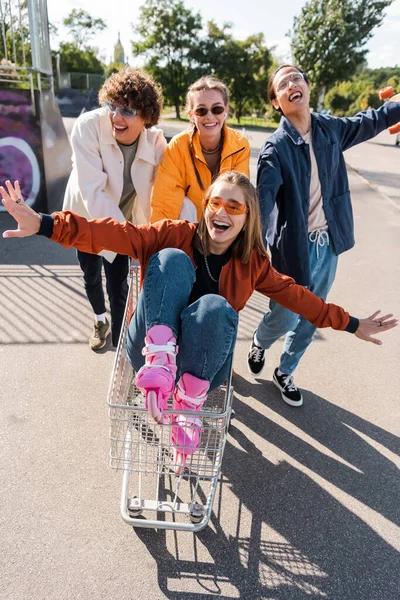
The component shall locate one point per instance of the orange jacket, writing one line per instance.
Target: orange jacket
(176, 176)
(237, 281)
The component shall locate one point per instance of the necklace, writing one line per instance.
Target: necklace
(211, 151)
(208, 270)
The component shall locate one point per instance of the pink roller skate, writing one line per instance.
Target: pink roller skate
(156, 379)
(190, 394)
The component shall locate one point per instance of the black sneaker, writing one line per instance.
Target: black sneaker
(289, 392)
(255, 358)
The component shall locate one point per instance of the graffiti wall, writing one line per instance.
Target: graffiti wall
(21, 153)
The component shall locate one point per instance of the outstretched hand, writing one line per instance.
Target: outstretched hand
(28, 220)
(373, 326)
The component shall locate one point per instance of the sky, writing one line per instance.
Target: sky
(252, 16)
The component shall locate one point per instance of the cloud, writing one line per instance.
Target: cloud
(393, 10)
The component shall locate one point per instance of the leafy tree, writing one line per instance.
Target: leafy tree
(329, 37)
(82, 26)
(15, 29)
(348, 97)
(243, 65)
(76, 60)
(168, 35)
(114, 67)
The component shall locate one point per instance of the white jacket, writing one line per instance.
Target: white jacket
(95, 185)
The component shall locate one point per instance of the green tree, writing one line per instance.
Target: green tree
(82, 26)
(73, 59)
(15, 33)
(329, 37)
(168, 35)
(114, 67)
(348, 97)
(243, 65)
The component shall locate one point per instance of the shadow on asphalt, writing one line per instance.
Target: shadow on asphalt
(33, 250)
(321, 547)
(42, 294)
(318, 545)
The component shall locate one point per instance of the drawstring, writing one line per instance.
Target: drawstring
(321, 237)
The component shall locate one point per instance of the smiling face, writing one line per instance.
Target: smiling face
(291, 91)
(223, 228)
(126, 130)
(210, 125)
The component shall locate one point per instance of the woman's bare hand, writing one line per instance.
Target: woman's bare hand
(374, 326)
(28, 220)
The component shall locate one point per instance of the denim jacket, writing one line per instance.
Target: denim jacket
(283, 182)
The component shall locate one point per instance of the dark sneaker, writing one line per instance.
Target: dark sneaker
(98, 338)
(255, 358)
(289, 392)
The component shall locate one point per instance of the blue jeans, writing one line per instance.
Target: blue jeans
(280, 321)
(205, 330)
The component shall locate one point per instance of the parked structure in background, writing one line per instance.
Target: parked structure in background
(34, 147)
(119, 54)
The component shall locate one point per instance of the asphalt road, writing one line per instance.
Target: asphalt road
(309, 501)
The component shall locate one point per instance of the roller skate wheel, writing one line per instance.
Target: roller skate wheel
(394, 129)
(152, 404)
(196, 514)
(386, 92)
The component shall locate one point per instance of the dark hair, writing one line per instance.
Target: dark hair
(205, 83)
(271, 88)
(136, 89)
(250, 237)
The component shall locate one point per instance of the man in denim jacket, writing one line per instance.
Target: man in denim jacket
(306, 209)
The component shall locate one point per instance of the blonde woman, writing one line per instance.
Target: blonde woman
(195, 157)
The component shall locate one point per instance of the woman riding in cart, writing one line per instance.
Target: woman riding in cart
(195, 280)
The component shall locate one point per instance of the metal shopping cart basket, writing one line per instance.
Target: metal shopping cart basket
(153, 496)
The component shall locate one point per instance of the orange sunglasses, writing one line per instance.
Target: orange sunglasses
(231, 206)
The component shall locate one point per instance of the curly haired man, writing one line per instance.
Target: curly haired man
(116, 151)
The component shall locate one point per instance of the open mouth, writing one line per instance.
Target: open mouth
(295, 96)
(221, 225)
(120, 129)
(210, 125)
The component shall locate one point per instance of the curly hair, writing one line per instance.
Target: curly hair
(136, 89)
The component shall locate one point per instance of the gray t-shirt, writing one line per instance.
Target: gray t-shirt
(128, 191)
(316, 214)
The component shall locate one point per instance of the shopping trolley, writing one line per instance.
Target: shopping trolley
(153, 494)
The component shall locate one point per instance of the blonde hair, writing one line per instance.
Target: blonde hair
(250, 237)
(201, 85)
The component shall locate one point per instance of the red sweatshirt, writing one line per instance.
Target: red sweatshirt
(237, 280)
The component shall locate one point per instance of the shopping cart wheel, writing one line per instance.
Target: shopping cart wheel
(196, 514)
(134, 509)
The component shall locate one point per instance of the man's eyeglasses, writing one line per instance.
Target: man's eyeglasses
(125, 111)
(215, 110)
(294, 78)
(231, 206)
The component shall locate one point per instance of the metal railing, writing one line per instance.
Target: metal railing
(25, 57)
